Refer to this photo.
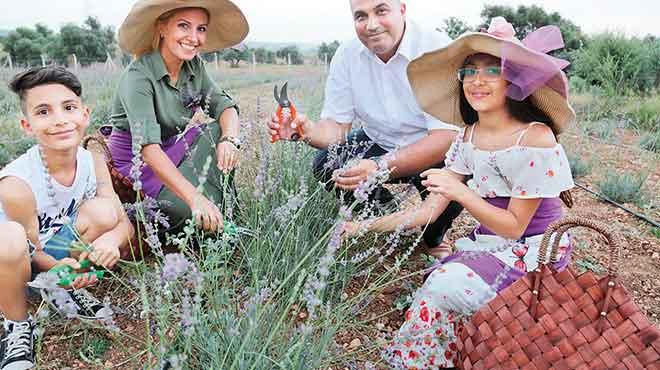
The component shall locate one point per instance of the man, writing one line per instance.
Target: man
(368, 82)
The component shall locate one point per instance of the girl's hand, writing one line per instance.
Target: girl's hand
(351, 229)
(207, 215)
(445, 183)
(227, 155)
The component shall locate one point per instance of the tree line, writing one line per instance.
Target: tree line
(90, 42)
(608, 60)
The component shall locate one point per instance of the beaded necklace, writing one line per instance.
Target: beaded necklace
(50, 189)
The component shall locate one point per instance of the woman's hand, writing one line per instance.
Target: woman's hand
(207, 215)
(227, 155)
(445, 183)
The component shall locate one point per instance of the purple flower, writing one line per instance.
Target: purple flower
(175, 266)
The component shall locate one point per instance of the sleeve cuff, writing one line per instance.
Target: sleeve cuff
(146, 134)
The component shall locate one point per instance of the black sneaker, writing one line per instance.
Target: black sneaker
(17, 345)
(86, 305)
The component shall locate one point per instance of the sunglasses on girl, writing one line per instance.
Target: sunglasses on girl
(488, 74)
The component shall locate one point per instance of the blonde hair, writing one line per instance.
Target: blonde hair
(155, 43)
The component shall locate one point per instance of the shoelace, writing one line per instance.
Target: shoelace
(18, 340)
(85, 299)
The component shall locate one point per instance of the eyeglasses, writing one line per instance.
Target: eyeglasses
(488, 74)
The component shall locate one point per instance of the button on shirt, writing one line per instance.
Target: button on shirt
(152, 109)
(362, 88)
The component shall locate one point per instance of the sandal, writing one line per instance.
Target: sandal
(442, 250)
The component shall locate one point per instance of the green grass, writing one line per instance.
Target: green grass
(650, 141)
(579, 166)
(645, 114)
(603, 129)
(589, 263)
(655, 231)
(93, 349)
(623, 187)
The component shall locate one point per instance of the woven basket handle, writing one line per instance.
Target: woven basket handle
(560, 227)
(97, 144)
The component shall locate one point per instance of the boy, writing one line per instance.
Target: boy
(52, 195)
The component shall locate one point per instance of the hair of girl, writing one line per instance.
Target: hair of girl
(524, 111)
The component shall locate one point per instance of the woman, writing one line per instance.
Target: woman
(161, 106)
(513, 99)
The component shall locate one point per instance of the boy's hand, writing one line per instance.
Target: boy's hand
(82, 281)
(103, 253)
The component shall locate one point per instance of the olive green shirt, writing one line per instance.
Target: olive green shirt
(152, 109)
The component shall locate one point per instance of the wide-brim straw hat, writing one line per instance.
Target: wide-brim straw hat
(227, 24)
(434, 81)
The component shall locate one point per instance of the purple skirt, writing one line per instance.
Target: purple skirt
(121, 149)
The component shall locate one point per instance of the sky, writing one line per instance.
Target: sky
(326, 20)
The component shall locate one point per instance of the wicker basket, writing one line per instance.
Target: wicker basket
(123, 186)
(562, 320)
(124, 189)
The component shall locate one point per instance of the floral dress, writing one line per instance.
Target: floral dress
(484, 263)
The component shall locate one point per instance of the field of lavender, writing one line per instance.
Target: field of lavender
(272, 296)
(285, 292)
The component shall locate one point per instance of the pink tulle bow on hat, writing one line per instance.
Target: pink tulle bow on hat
(526, 64)
(501, 28)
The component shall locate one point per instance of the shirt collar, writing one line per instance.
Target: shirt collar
(159, 69)
(405, 47)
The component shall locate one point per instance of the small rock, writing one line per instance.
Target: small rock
(355, 343)
(380, 326)
(302, 315)
(655, 255)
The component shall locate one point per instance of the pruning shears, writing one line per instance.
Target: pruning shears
(232, 230)
(286, 113)
(66, 275)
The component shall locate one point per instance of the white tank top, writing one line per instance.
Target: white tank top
(29, 168)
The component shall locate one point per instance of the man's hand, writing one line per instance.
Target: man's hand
(227, 155)
(285, 130)
(349, 179)
(104, 253)
(207, 215)
(445, 183)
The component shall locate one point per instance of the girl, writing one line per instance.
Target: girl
(513, 99)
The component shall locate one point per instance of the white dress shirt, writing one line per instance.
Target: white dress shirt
(362, 88)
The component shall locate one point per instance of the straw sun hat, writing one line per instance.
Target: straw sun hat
(525, 64)
(227, 24)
